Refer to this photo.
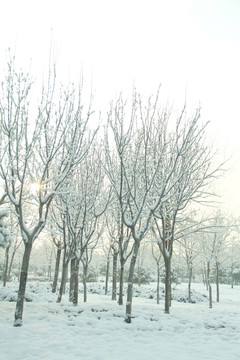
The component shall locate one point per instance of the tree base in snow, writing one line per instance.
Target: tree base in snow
(18, 322)
(128, 319)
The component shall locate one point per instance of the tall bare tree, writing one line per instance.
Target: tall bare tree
(39, 146)
(186, 174)
(163, 166)
(134, 175)
(84, 204)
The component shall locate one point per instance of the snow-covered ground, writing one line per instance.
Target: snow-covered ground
(96, 330)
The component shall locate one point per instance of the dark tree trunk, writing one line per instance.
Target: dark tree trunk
(167, 261)
(158, 283)
(209, 285)
(56, 272)
(210, 295)
(232, 276)
(85, 269)
(107, 276)
(217, 281)
(5, 272)
(206, 276)
(72, 279)
(120, 297)
(190, 272)
(63, 281)
(65, 278)
(75, 282)
(128, 317)
(22, 284)
(114, 276)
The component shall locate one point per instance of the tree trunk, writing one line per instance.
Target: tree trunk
(114, 276)
(63, 281)
(158, 283)
(167, 261)
(75, 282)
(5, 272)
(210, 295)
(65, 278)
(56, 272)
(128, 316)
(120, 297)
(217, 281)
(209, 285)
(22, 283)
(232, 277)
(85, 269)
(72, 279)
(190, 272)
(107, 276)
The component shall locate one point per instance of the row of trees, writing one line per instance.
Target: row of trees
(212, 258)
(138, 176)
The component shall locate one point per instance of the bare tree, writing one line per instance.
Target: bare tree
(161, 169)
(131, 170)
(84, 205)
(38, 147)
(185, 176)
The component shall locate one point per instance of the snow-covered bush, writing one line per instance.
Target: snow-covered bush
(142, 277)
(5, 236)
(92, 275)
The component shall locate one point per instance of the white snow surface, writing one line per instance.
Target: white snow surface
(96, 330)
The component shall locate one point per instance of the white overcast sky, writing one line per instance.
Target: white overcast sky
(190, 47)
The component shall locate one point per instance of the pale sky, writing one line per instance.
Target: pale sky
(190, 47)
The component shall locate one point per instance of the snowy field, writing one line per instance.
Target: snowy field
(96, 330)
